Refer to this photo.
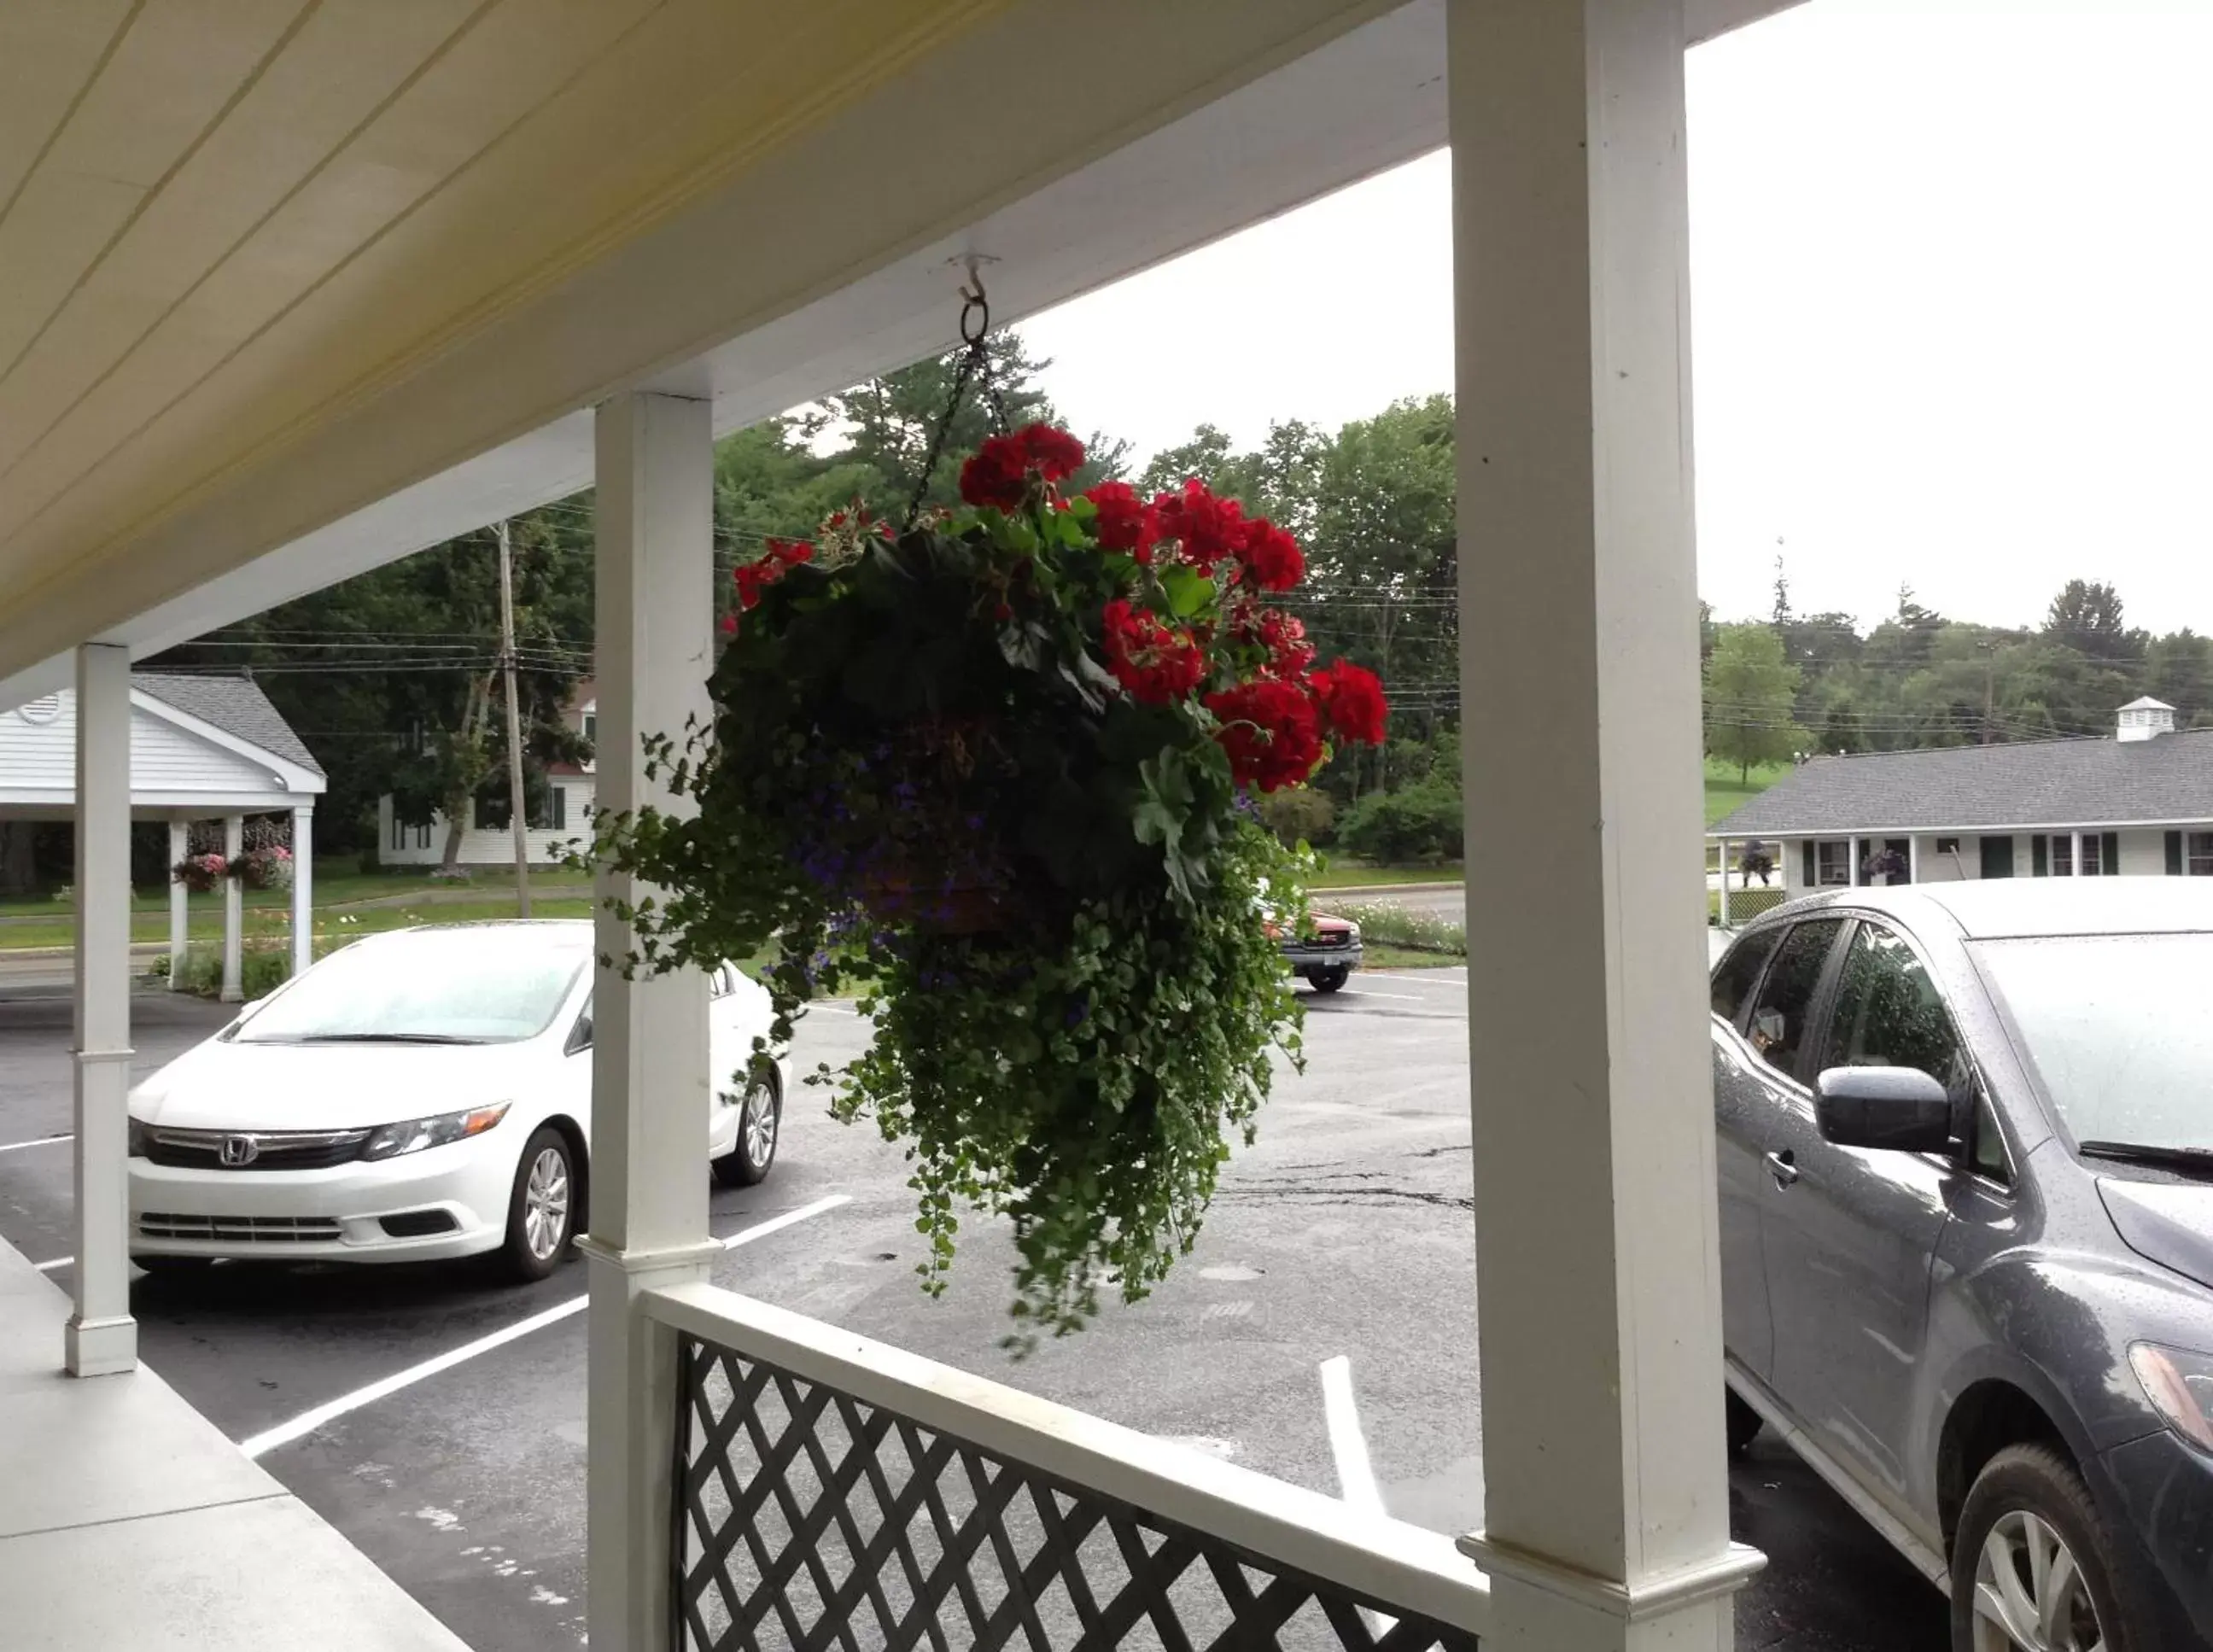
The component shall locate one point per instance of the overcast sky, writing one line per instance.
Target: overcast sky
(1951, 264)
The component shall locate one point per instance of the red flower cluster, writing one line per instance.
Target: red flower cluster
(1271, 730)
(1124, 521)
(754, 578)
(1006, 467)
(1285, 637)
(1351, 701)
(1270, 557)
(1156, 663)
(1208, 528)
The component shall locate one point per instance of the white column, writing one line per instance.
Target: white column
(234, 912)
(1607, 1502)
(1852, 852)
(303, 888)
(1724, 859)
(101, 1337)
(180, 903)
(2075, 865)
(1913, 858)
(655, 511)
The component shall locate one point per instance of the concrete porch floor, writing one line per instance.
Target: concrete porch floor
(128, 1520)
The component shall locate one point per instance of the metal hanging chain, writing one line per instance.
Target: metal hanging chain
(975, 365)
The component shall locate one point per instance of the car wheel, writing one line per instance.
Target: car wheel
(541, 1212)
(761, 1123)
(1329, 980)
(1743, 1426)
(2033, 1569)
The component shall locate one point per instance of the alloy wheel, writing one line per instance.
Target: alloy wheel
(760, 1122)
(546, 1204)
(2030, 1593)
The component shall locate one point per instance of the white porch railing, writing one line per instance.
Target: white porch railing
(834, 1492)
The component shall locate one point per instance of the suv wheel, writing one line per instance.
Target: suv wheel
(1329, 979)
(1743, 1424)
(2033, 1569)
(760, 1121)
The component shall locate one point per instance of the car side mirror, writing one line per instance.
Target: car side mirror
(580, 1036)
(1902, 1108)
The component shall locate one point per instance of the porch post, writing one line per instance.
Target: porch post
(1913, 858)
(101, 1337)
(303, 888)
(1854, 842)
(180, 906)
(2075, 864)
(234, 912)
(1606, 1503)
(654, 510)
(1723, 858)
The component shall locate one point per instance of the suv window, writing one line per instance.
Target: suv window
(1889, 1014)
(1786, 997)
(1741, 969)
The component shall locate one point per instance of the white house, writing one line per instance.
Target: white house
(202, 748)
(2140, 801)
(555, 828)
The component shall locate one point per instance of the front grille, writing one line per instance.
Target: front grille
(272, 1150)
(250, 1231)
(418, 1224)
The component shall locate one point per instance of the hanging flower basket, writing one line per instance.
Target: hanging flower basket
(269, 867)
(994, 769)
(201, 874)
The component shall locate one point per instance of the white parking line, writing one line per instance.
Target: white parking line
(41, 1141)
(308, 1422)
(1355, 1475)
(59, 1262)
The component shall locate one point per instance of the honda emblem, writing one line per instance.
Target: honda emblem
(239, 1151)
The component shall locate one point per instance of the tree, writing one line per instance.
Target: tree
(1205, 455)
(1751, 689)
(2086, 616)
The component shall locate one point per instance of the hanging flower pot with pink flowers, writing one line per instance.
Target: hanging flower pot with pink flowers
(995, 770)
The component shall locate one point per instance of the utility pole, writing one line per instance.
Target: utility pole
(1989, 689)
(514, 795)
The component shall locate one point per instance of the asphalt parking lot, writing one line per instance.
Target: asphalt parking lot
(1346, 1232)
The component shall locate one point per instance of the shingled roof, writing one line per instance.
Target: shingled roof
(235, 704)
(2056, 783)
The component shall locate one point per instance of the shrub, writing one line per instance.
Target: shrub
(261, 971)
(1298, 814)
(1384, 923)
(1421, 823)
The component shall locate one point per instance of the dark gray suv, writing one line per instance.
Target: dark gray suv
(1966, 1154)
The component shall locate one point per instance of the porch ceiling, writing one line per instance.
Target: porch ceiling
(290, 288)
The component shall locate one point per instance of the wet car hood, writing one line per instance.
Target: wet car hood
(2167, 1223)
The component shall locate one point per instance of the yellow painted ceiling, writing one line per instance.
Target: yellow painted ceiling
(222, 219)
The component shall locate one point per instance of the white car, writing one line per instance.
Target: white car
(418, 1095)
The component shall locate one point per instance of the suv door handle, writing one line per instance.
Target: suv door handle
(1782, 1166)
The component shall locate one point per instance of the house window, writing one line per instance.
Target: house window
(592, 726)
(422, 836)
(2093, 861)
(1833, 861)
(2201, 854)
(556, 814)
(1947, 845)
(2063, 854)
(399, 831)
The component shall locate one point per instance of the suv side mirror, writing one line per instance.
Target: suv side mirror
(1898, 1107)
(580, 1036)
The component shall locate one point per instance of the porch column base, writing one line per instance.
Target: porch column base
(92, 1348)
(632, 1405)
(1545, 1602)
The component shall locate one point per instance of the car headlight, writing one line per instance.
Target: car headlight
(1352, 935)
(2180, 1389)
(138, 1137)
(413, 1135)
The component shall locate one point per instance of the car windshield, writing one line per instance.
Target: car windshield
(2116, 1030)
(452, 986)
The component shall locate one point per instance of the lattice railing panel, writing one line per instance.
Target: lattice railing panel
(809, 1518)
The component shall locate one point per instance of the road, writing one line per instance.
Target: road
(1330, 1239)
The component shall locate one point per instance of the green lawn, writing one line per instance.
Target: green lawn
(1726, 792)
(1350, 874)
(338, 882)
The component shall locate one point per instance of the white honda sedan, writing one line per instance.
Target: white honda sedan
(414, 1096)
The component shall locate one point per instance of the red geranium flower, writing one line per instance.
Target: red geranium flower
(1270, 556)
(754, 578)
(1351, 700)
(1269, 730)
(1156, 663)
(1125, 522)
(1207, 527)
(1005, 467)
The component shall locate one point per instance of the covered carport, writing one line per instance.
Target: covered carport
(311, 287)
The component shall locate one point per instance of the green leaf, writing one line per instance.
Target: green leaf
(1188, 590)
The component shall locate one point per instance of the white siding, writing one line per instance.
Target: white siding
(2143, 852)
(488, 845)
(41, 757)
(1950, 868)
